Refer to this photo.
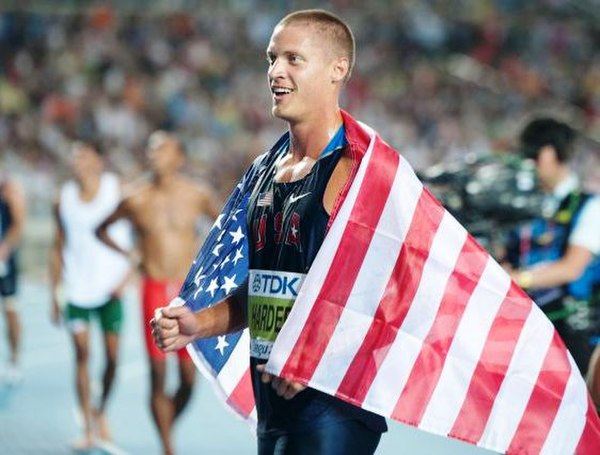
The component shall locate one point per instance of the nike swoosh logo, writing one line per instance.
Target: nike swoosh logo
(294, 198)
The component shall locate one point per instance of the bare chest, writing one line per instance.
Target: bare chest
(167, 213)
(288, 171)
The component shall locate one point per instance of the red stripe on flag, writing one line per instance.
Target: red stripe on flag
(354, 244)
(242, 396)
(544, 401)
(590, 438)
(493, 364)
(395, 302)
(415, 397)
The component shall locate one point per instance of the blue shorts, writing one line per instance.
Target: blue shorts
(345, 437)
(8, 282)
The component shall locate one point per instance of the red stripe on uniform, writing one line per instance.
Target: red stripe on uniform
(544, 401)
(396, 300)
(242, 396)
(353, 246)
(492, 366)
(415, 397)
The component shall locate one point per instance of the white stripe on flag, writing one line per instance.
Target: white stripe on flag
(376, 269)
(241, 351)
(569, 422)
(521, 376)
(394, 372)
(465, 350)
(316, 276)
(444, 253)
(233, 371)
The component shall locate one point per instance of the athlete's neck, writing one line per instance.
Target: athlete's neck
(308, 139)
(88, 186)
(165, 180)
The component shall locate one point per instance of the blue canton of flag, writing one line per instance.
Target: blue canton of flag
(220, 267)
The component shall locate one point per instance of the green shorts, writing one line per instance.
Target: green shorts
(110, 315)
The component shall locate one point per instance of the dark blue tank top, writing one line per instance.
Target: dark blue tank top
(287, 224)
(5, 216)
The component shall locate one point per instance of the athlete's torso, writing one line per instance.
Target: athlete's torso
(287, 224)
(91, 269)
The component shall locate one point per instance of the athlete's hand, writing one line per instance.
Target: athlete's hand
(283, 388)
(4, 251)
(55, 312)
(174, 327)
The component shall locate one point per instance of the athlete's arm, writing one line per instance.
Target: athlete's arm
(56, 263)
(208, 203)
(120, 213)
(15, 199)
(178, 326)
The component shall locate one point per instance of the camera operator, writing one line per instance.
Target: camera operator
(556, 257)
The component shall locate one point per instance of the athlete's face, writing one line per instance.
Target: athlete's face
(300, 71)
(163, 153)
(85, 161)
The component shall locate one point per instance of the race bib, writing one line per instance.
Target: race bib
(271, 296)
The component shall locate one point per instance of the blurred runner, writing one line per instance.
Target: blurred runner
(12, 222)
(91, 277)
(164, 213)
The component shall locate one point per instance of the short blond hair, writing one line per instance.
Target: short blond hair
(328, 23)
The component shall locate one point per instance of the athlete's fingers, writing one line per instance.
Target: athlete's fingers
(169, 344)
(163, 323)
(293, 389)
(173, 311)
(161, 334)
(264, 377)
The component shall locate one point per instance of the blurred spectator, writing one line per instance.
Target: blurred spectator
(438, 79)
(12, 223)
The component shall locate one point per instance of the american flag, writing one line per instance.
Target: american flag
(404, 314)
(219, 268)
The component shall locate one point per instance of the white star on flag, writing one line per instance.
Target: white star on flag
(218, 221)
(221, 344)
(237, 235)
(212, 287)
(225, 261)
(234, 216)
(238, 256)
(216, 249)
(229, 284)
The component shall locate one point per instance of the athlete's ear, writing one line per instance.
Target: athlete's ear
(339, 69)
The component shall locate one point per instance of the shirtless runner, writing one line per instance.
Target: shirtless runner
(164, 214)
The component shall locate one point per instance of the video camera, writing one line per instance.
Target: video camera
(487, 194)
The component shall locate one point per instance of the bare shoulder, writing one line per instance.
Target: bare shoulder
(130, 188)
(134, 194)
(203, 195)
(339, 178)
(12, 190)
(344, 165)
(195, 185)
(196, 188)
(341, 173)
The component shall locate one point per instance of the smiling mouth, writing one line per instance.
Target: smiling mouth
(280, 92)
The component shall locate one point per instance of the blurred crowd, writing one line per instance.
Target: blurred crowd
(438, 79)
